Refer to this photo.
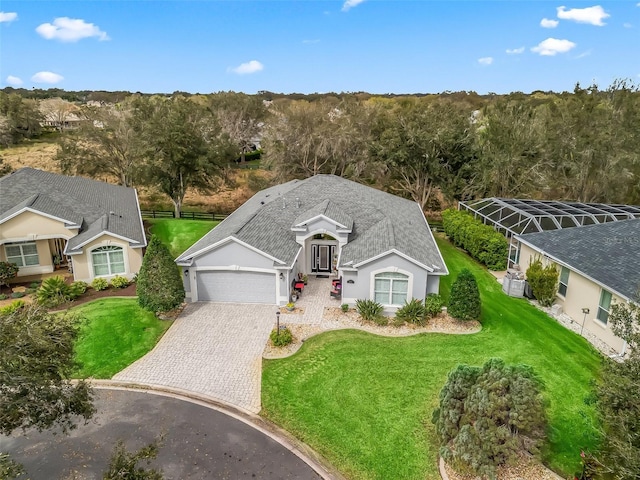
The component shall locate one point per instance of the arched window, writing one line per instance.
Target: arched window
(107, 261)
(391, 288)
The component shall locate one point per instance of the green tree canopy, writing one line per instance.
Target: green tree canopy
(488, 414)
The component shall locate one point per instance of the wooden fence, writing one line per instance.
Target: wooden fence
(188, 215)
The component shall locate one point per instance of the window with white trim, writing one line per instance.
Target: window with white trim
(107, 261)
(604, 306)
(564, 281)
(390, 288)
(23, 254)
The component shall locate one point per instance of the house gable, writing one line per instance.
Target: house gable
(30, 225)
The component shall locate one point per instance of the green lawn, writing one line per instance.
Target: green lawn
(179, 234)
(365, 402)
(115, 333)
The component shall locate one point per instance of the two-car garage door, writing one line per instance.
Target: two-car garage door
(236, 286)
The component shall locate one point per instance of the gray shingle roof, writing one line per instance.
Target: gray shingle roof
(608, 252)
(94, 206)
(379, 221)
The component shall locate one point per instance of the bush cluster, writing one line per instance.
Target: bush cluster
(99, 284)
(433, 304)
(412, 311)
(543, 281)
(481, 241)
(55, 291)
(12, 307)
(119, 282)
(371, 310)
(281, 339)
(159, 283)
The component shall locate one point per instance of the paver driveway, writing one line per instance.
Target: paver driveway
(213, 349)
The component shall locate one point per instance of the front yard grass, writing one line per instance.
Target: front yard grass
(365, 402)
(179, 234)
(115, 333)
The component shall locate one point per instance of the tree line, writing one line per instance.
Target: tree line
(434, 149)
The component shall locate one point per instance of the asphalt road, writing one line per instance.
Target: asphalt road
(199, 443)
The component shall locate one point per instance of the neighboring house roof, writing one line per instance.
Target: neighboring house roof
(379, 222)
(609, 253)
(91, 206)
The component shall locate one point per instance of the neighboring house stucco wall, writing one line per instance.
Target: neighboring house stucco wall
(82, 263)
(29, 226)
(362, 288)
(581, 293)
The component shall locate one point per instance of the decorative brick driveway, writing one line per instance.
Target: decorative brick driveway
(213, 349)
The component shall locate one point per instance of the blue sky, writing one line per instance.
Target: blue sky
(309, 46)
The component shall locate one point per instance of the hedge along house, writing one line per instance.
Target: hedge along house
(48, 220)
(380, 245)
(599, 265)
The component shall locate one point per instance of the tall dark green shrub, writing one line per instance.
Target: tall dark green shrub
(159, 286)
(488, 414)
(543, 281)
(464, 302)
(481, 241)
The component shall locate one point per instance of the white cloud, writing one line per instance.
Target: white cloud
(549, 23)
(553, 46)
(515, 51)
(15, 81)
(627, 25)
(47, 77)
(485, 60)
(348, 4)
(584, 54)
(591, 15)
(68, 29)
(245, 68)
(6, 17)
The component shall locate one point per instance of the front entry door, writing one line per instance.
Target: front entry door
(321, 256)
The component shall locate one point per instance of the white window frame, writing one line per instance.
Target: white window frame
(22, 255)
(409, 281)
(564, 284)
(108, 249)
(602, 311)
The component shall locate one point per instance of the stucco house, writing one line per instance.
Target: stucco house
(92, 228)
(598, 265)
(378, 244)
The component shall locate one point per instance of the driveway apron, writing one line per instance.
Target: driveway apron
(213, 349)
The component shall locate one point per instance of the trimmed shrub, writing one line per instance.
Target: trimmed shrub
(54, 291)
(412, 311)
(488, 414)
(35, 285)
(370, 310)
(482, 242)
(464, 303)
(18, 294)
(99, 284)
(79, 287)
(119, 282)
(281, 339)
(12, 307)
(543, 281)
(433, 305)
(159, 284)
(344, 307)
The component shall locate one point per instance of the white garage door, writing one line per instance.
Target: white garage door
(237, 287)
